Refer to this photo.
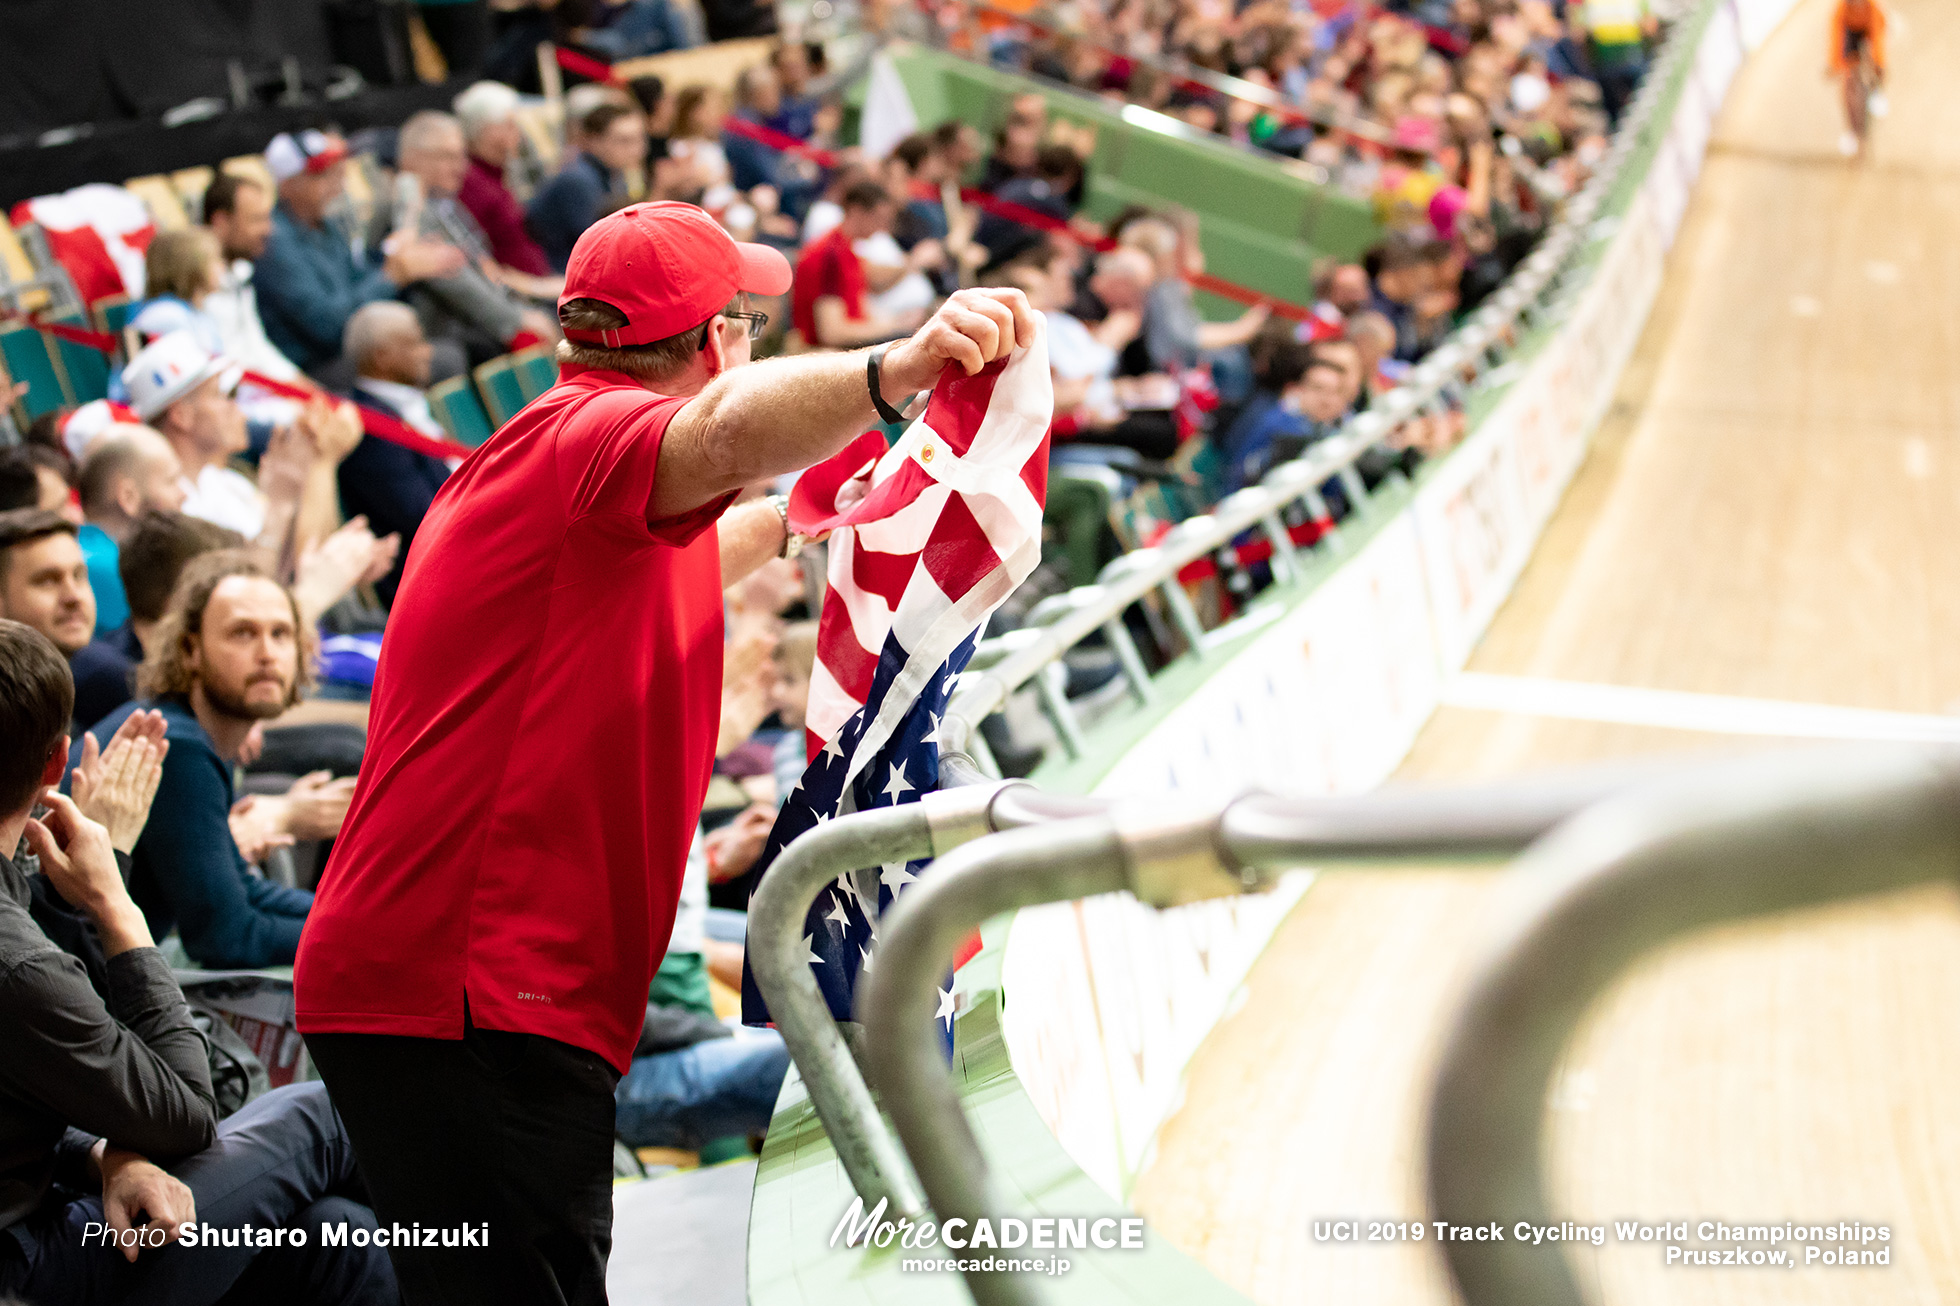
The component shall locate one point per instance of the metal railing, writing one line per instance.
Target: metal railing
(1033, 848)
(988, 863)
(1538, 293)
(1742, 841)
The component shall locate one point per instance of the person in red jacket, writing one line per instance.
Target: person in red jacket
(473, 978)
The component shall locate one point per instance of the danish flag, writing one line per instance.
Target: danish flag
(928, 537)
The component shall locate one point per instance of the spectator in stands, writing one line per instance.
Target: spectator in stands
(471, 305)
(186, 394)
(44, 584)
(230, 652)
(613, 139)
(795, 655)
(796, 108)
(238, 212)
(1312, 402)
(1017, 145)
(1374, 336)
(630, 29)
(828, 302)
(488, 112)
(387, 484)
(1045, 194)
(1342, 288)
(925, 169)
(180, 270)
(1401, 276)
(752, 163)
(32, 476)
(700, 115)
(692, 1079)
(151, 559)
(1092, 404)
(624, 539)
(1174, 337)
(1616, 33)
(310, 278)
(107, 1080)
(129, 470)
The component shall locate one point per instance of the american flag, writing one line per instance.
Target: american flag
(927, 538)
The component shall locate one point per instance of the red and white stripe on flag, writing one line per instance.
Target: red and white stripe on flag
(98, 233)
(929, 536)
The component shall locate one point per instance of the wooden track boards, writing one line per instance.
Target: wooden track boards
(1768, 512)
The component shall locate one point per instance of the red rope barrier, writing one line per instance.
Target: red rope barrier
(383, 426)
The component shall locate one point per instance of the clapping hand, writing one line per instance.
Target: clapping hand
(114, 787)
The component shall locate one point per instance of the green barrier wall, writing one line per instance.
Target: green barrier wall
(1261, 227)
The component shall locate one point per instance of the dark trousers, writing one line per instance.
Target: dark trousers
(282, 1162)
(461, 32)
(513, 1131)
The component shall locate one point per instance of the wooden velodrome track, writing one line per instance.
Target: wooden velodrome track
(1770, 512)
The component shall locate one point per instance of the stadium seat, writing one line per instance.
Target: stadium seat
(18, 266)
(112, 313)
(190, 185)
(503, 394)
(252, 166)
(162, 200)
(536, 371)
(25, 353)
(461, 413)
(86, 370)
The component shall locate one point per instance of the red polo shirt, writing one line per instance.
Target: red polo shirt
(829, 266)
(540, 741)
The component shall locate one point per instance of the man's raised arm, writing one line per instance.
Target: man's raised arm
(782, 415)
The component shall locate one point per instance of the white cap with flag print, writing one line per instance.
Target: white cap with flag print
(291, 153)
(170, 368)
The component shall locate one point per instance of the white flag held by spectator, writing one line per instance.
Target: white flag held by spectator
(888, 116)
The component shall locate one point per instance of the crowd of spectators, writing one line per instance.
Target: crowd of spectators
(171, 562)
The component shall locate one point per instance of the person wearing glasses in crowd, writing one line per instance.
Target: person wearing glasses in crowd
(473, 976)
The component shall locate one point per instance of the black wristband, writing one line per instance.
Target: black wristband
(872, 361)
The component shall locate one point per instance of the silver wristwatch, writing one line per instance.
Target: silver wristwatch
(792, 542)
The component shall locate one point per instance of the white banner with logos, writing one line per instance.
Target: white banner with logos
(1107, 1000)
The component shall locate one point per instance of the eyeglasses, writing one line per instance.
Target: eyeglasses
(756, 322)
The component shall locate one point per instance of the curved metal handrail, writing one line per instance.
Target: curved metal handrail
(1615, 883)
(1478, 346)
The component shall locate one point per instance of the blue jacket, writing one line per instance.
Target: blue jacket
(309, 283)
(392, 487)
(187, 872)
(567, 204)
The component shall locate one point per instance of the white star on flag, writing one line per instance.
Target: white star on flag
(945, 1011)
(922, 548)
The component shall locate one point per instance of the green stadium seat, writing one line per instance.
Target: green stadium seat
(536, 371)
(112, 313)
(461, 413)
(25, 353)
(502, 393)
(87, 369)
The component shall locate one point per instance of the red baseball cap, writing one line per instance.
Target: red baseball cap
(668, 266)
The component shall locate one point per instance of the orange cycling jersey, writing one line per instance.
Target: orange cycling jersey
(1856, 35)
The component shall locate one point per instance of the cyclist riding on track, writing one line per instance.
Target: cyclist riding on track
(1858, 61)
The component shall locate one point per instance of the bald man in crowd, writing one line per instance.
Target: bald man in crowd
(390, 485)
(128, 470)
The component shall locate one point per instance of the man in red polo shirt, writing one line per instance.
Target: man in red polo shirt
(473, 976)
(828, 302)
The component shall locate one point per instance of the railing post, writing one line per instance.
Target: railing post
(1726, 845)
